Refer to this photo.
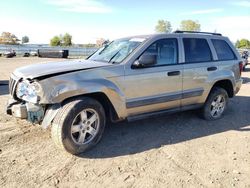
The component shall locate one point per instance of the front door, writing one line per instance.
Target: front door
(155, 87)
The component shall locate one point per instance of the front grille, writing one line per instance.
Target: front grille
(12, 86)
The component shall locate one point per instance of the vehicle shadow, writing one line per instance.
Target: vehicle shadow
(131, 138)
(4, 87)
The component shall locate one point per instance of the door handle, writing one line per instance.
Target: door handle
(211, 68)
(174, 73)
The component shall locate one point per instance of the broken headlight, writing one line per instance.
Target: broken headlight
(28, 91)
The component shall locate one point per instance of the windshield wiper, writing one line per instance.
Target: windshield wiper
(104, 48)
(110, 61)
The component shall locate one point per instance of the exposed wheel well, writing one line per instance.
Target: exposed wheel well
(227, 85)
(105, 102)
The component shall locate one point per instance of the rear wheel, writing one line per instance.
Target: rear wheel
(79, 125)
(216, 104)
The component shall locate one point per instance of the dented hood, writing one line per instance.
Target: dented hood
(46, 69)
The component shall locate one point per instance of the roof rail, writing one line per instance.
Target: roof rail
(207, 33)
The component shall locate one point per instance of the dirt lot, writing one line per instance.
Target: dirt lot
(180, 150)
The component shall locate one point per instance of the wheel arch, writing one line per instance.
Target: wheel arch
(103, 99)
(225, 84)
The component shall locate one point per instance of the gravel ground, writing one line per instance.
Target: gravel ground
(180, 150)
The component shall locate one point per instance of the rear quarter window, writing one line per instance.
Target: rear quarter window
(223, 50)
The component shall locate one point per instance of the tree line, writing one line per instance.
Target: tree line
(9, 38)
(243, 43)
(61, 40)
(164, 26)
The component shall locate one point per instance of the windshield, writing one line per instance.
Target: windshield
(116, 51)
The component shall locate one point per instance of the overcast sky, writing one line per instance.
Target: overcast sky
(87, 20)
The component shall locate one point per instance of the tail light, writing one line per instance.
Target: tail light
(241, 67)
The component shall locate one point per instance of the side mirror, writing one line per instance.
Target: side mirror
(145, 60)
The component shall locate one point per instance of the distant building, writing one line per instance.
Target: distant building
(101, 41)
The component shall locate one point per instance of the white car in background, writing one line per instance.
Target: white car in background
(33, 53)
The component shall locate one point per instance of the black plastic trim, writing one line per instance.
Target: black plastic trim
(167, 98)
(198, 32)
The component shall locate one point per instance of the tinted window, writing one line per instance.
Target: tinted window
(223, 50)
(165, 51)
(196, 50)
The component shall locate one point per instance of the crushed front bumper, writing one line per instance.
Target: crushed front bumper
(23, 110)
(32, 112)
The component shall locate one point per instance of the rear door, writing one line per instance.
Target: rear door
(199, 66)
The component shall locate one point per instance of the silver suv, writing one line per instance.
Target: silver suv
(129, 79)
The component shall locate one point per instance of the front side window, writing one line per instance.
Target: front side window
(165, 51)
(117, 51)
(196, 50)
(223, 50)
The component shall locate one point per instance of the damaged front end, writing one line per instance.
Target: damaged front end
(24, 110)
(24, 102)
(33, 113)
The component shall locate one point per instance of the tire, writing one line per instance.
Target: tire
(213, 104)
(73, 127)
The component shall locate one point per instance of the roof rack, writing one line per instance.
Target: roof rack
(207, 33)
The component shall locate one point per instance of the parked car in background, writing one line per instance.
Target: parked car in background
(245, 56)
(10, 54)
(33, 53)
(26, 54)
(128, 79)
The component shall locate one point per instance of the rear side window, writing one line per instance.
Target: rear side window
(223, 50)
(196, 50)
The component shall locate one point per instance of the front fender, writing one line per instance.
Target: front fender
(69, 89)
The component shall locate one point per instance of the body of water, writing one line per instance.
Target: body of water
(21, 49)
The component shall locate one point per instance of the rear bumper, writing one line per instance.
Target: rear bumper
(238, 86)
(33, 113)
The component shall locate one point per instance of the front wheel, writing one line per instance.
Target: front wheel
(216, 104)
(79, 125)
